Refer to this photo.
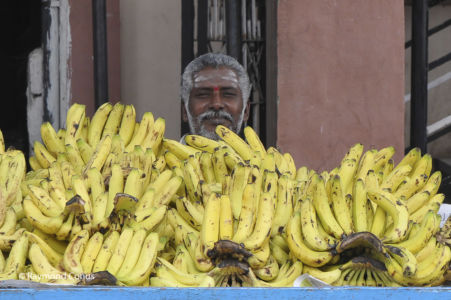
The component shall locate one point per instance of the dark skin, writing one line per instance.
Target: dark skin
(215, 90)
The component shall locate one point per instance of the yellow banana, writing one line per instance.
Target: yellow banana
(120, 251)
(181, 151)
(427, 229)
(279, 159)
(248, 210)
(91, 251)
(366, 164)
(145, 126)
(9, 223)
(410, 158)
(321, 203)
(65, 228)
(396, 209)
(394, 179)
(127, 123)
(85, 150)
(2, 143)
(81, 190)
(405, 258)
(15, 262)
(284, 206)
(34, 163)
(239, 180)
(382, 157)
(145, 262)
(44, 202)
(155, 137)
(50, 138)
(359, 210)
(417, 201)
(52, 255)
(182, 277)
(42, 267)
(151, 220)
(339, 205)
(219, 166)
(433, 184)
(225, 219)
(206, 166)
(298, 247)
(98, 122)
(132, 255)
(74, 123)
(43, 156)
(113, 122)
(116, 185)
(433, 204)
(346, 172)
(46, 224)
(269, 271)
(100, 154)
(253, 140)
(262, 230)
(328, 277)
(202, 143)
(237, 143)
(74, 158)
(106, 251)
(209, 233)
(74, 251)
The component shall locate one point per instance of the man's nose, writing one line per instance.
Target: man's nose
(216, 102)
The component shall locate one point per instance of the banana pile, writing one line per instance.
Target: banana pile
(110, 200)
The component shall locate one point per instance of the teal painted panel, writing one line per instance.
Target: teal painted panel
(337, 293)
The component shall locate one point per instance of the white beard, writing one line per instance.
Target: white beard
(196, 127)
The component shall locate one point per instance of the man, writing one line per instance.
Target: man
(215, 90)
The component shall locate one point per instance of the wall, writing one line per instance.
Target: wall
(150, 59)
(439, 102)
(340, 78)
(81, 62)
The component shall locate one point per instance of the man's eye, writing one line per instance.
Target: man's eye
(203, 95)
(229, 94)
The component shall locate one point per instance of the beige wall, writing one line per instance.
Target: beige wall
(150, 59)
(439, 97)
(340, 78)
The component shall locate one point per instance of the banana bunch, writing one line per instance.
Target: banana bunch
(96, 180)
(368, 207)
(91, 175)
(233, 191)
(111, 198)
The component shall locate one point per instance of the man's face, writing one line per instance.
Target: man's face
(215, 99)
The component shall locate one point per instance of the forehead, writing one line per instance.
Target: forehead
(215, 77)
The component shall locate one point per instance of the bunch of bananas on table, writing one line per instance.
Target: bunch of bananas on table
(110, 200)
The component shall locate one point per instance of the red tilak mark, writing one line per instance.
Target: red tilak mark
(216, 88)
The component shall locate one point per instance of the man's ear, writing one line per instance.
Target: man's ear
(246, 111)
(184, 113)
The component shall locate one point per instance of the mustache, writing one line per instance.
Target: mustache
(215, 114)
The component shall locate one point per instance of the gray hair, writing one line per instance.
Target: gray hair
(215, 60)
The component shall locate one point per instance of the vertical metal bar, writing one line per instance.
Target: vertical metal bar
(50, 46)
(233, 28)
(202, 27)
(419, 79)
(254, 19)
(243, 19)
(187, 43)
(187, 32)
(270, 124)
(100, 52)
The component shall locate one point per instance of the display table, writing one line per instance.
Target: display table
(336, 293)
